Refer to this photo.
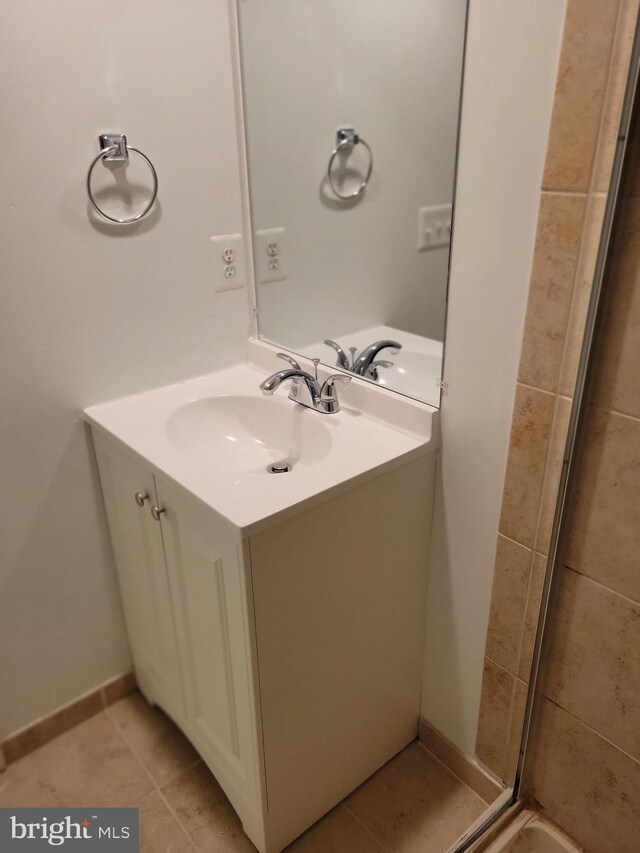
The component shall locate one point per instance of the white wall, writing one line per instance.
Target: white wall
(393, 72)
(87, 312)
(511, 65)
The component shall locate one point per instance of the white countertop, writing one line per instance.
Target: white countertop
(376, 430)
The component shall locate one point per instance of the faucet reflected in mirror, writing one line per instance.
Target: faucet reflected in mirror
(365, 363)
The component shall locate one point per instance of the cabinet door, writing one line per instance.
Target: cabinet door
(207, 577)
(139, 556)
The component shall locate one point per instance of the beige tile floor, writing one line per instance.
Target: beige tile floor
(132, 755)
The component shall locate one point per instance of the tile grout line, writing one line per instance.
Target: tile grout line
(584, 250)
(364, 826)
(515, 541)
(118, 731)
(451, 773)
(500, 666)
(524, 616)
(606, 101)
(603, 586)
(548, 191)
(543, 480)
(547, 456)
(475, 763)
(155, 786)
(548, 470)
(592, 730)
(535, 388)
(174, 815)
(508, 740)
(610, 411)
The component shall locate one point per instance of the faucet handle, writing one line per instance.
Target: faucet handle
(329, 392)
(328, 389)
(290, 359)
(372, 370)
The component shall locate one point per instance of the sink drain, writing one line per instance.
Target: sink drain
(279, 468)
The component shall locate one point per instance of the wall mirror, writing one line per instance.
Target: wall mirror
(351, 124)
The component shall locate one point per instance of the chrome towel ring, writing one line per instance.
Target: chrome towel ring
(346, 140)
(115, 149)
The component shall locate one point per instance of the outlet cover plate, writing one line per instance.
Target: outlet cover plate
(236, 244)
(270, 255)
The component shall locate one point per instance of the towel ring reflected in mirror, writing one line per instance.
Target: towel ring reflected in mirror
(346, 141)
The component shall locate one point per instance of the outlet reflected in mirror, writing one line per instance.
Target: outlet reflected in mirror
(352, 120)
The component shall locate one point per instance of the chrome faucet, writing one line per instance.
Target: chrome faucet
(305, 388)
(364, 364)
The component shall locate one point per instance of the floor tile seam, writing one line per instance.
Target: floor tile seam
(170, 779)
(155, 786)
(455, 776)
(133, 752)
(364, 827)
(176, 817)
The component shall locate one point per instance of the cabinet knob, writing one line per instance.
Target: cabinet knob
(156, 512)
(141, 497)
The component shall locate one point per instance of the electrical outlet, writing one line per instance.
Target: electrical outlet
(270, 255)
(434, 227)
(229, 267)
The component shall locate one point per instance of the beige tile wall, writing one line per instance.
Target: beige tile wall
(593, 68)
(585, 766)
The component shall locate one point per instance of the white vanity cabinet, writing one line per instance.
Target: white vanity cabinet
(139, 556)
(292, 657)
(182, 579)
(207, 569)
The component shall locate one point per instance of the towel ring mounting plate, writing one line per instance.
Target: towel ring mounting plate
(114, 148)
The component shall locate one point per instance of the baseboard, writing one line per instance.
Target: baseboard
(45, 729)
(458, 763)
(41, 731)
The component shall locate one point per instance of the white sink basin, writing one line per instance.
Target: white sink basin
(216, 435)
(248, 434)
